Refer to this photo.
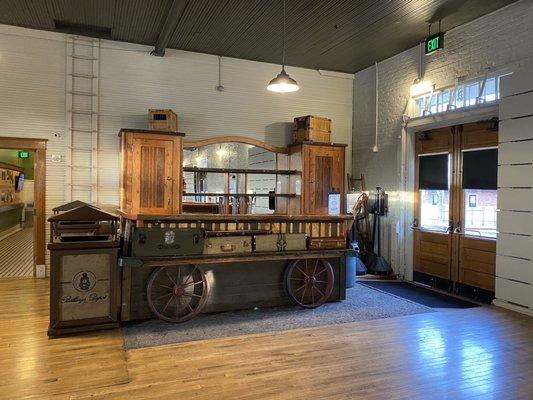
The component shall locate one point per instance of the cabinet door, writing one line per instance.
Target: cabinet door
(153, 162)
(326, 174)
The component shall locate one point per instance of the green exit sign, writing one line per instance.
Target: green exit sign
(24, 154)
(434, 42)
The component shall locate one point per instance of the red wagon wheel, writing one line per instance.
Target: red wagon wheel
(309, 283)
(178, 293)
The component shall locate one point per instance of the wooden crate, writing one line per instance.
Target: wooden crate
(311, 128)
(163, 120)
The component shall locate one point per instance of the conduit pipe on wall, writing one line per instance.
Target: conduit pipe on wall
(375, 149)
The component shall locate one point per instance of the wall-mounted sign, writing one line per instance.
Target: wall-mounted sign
(24, 154)
(434, 42)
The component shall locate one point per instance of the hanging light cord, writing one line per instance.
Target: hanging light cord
(284, 33)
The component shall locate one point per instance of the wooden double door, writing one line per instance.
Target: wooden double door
(455, 204)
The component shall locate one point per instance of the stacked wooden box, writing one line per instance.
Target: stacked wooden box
(163, 120)
(311, 128)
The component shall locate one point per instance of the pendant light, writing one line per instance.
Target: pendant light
(283, 83)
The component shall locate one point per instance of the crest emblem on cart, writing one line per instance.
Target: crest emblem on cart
(170, 237)
(84, 281)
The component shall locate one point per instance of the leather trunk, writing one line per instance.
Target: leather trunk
(321, 243)
(228, 245)
(280, 242)
(166, 242)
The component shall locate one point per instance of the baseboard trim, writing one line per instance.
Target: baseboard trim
(513, 307)
(40, 271)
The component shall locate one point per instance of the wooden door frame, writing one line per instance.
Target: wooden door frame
(39, 146)
(477, 140)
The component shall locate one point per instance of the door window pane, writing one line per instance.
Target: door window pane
(480, 212)
(434, 209)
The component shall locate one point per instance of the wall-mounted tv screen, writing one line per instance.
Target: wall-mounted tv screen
(19, 182)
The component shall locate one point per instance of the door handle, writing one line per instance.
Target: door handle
(457, 228)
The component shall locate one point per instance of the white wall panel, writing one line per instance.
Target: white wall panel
(516, 152)
(515, 176)
(515, 222)
(515, 292)
(515, 238)
(515, 199)
(132, 81)
(32, 97)
(515, 245)
(517, 106)
(33, 94)
(515, 84)
(515, 129)
(514, 268)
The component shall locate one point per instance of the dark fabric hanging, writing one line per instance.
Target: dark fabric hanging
(433, 172)
(480, 169)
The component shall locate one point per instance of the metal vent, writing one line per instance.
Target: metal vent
(82, 29)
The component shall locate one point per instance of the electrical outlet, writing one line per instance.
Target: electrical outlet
(375, 149)
(40, 271)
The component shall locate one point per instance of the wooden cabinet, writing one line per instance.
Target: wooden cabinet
(151, 180)
(322, 167)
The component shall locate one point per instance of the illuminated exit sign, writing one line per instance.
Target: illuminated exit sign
(434, 42)
(24, 154)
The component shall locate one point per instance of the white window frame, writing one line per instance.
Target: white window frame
(427, 98)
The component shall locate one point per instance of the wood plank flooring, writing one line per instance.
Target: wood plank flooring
(477, 353)
(16, 255)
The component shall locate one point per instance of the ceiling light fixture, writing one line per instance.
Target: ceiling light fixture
(283, 83)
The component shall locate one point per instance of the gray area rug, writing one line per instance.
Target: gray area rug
(362, 304)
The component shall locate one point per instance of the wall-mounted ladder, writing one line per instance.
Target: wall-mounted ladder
(81, 106)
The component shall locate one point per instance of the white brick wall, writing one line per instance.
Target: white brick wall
(498, 40)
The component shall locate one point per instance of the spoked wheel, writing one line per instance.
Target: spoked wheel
(177, 294)
(309, 283)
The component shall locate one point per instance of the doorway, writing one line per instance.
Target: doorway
(455, 207)
(22, 205)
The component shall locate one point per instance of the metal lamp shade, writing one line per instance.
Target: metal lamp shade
(283, 83)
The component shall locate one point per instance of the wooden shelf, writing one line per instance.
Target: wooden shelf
(191, 217)
(242, 194)
(242, 171)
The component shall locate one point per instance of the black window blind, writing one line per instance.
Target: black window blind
(433, 172)
(480, 169)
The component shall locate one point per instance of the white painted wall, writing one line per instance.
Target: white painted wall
(33, 92)
(500, 40)
(514, 260)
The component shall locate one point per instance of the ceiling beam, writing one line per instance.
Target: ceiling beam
(171, 22)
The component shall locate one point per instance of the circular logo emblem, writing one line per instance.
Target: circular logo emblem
(84, 281)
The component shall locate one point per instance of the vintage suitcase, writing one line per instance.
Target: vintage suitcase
(166, 242)
(321, 243)
(310, 128)
(280, 242)
(163, 120)
(228, 245)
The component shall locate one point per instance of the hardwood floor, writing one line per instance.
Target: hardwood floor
(477, 353)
